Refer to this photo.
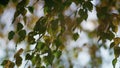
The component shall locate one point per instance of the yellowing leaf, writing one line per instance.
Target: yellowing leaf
(8, 64)
(117, 40)
(18, 61)
(19, 52)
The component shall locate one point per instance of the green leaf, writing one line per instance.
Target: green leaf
(58, 42)
(20, 9)
(83, 14)
(79, 20)
(42, 67)
(40, 26)
(11, 35)
(54, 24)
(49, 59)
(114, 61)
(22, 35)
(5, 62)
(110, 35)
(31, 9)
(18, 61)
(17, 13)
(57, 54)
(22, 3)
(23, 11)
(75, 36)
(36, 60)
(19, 26)
(40, 45)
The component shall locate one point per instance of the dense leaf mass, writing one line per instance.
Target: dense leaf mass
(61, 19)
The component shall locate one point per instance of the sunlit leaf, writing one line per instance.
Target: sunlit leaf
(40, 45)
(57, 54)
(11, 35)
(114, 61)
(36, 60)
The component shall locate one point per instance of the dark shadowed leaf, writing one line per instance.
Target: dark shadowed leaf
(19, 26)
(75, 36)
(28, 57)
(4, 2)
(31, 9)
(23, 11)
(112, 45)
(40, 25)
(88, 5)
(58, 42)
(11, 35)
(22, 35)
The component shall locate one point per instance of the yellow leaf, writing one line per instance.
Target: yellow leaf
(117, 40)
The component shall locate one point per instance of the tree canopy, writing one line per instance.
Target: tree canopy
(60, 21)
